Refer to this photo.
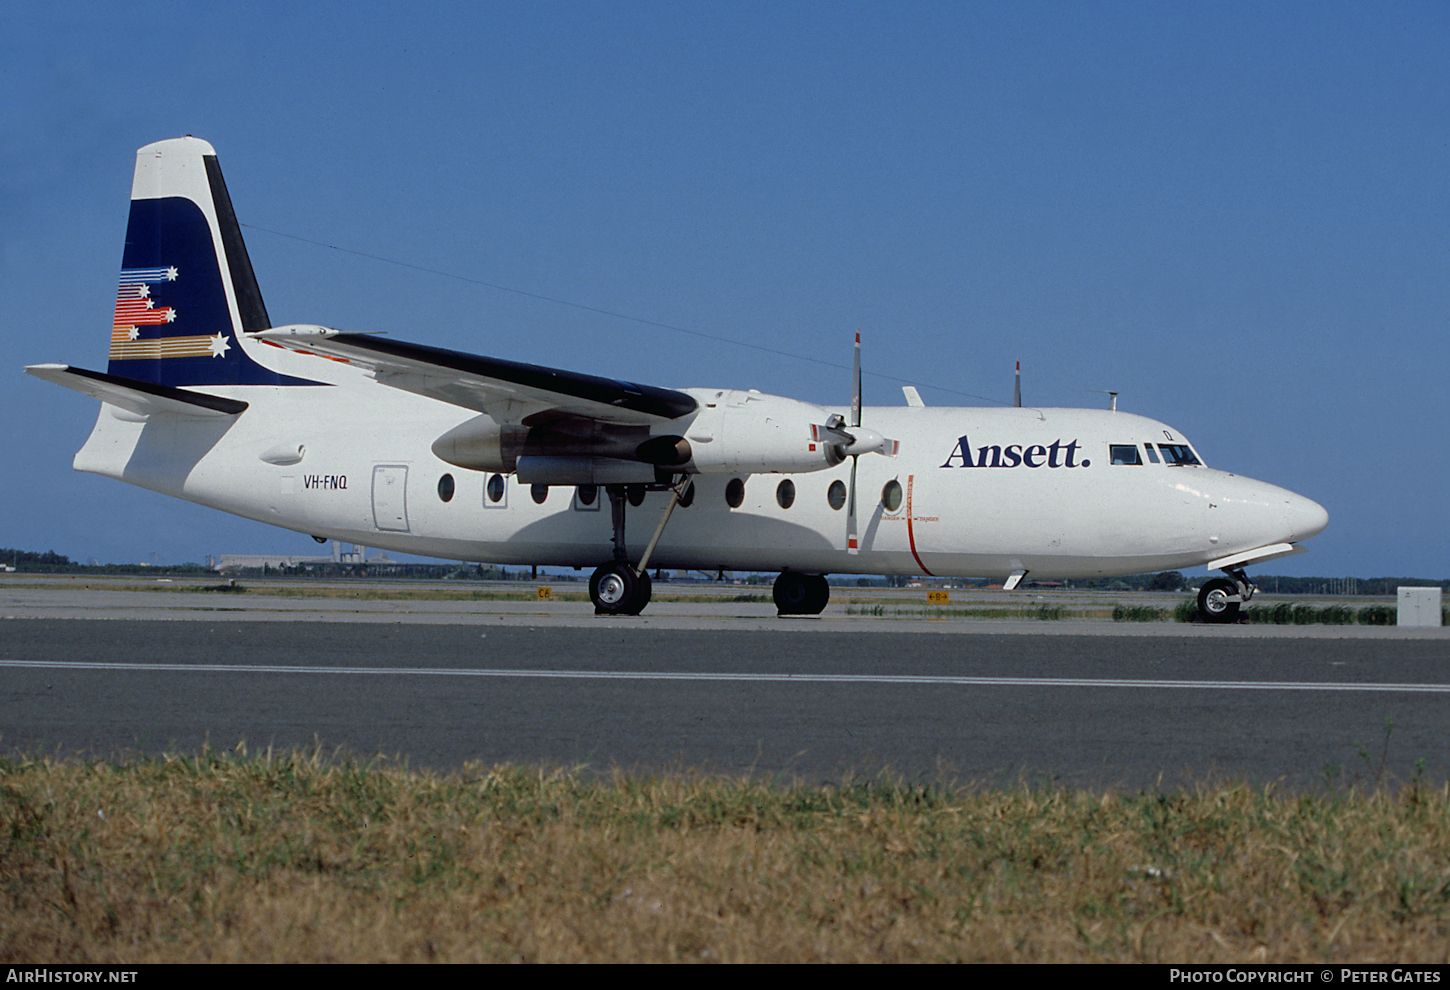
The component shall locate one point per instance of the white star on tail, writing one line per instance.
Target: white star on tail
(218, 345)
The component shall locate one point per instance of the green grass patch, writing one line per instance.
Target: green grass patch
(1140, 613)
(1186, 611)
(1043, 612)
(1304, 614)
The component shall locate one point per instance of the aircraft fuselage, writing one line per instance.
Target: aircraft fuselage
(977, 491)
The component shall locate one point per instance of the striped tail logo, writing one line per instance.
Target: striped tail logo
(138, 307)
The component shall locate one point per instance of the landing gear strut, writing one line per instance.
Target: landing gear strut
(801, 594)
(619, 587)
(1220, 598)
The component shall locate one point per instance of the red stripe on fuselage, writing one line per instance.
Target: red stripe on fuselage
(910, 531)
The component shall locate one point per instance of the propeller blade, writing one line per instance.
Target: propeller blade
(833, 435)
(853, 545)
(856, 384)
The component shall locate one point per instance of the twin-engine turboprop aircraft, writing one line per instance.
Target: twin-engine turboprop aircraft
(417, 449)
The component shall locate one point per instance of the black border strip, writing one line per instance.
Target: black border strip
(216, 403)
(250, 306)
(647, 399)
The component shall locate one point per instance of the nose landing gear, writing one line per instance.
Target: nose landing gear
(1219, 599)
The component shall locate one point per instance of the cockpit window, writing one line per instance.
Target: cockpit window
(1124, 453)
(1178, 454)
(1152, 454)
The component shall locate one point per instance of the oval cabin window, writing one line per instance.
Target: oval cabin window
(494, 492)
(891, 496)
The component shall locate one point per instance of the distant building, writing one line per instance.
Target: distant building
(257, 561)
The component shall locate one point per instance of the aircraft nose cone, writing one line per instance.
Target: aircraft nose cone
(1306, 518)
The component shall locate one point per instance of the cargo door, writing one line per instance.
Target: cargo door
(390, 502)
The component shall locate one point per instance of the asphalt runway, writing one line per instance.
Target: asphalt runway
(816, 700)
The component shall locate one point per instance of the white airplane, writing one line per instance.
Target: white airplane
(405, 447)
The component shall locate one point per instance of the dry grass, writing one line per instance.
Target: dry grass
(300, 858)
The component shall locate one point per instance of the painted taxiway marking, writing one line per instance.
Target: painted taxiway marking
(642, 675)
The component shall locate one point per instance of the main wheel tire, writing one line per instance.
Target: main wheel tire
(1213, 603)
(792, 593)
(820, 594)
(801, 594)
(615, 589)
(644, 590)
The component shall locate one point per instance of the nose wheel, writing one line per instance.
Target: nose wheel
(1219, 600)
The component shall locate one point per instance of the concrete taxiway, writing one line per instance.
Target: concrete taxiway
(720, 686)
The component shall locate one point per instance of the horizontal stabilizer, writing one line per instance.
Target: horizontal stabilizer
(141, 398)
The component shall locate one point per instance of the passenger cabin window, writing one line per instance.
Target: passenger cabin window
(586, 498)
(1177, 454)
(891, 495)
(1152, 454)
(494, 492)
(1124, 453)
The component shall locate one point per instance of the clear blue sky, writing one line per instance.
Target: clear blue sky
(1233, 213)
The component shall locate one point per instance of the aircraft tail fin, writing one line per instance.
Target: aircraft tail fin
(187, 292)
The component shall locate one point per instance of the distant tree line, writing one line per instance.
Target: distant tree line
(1274, 584)
(50, 562)
(49, 559)
(1162, 581)
(1281, 585)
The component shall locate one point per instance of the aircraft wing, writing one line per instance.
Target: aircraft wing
(508, 391)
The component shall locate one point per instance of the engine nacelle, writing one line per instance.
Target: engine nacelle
(481, 444)
(754, 433)
(584, 451)
(734, 432)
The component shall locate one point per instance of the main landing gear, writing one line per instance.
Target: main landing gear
(619, 587)
(801, 594)
(616, 588)
(1220, 598)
